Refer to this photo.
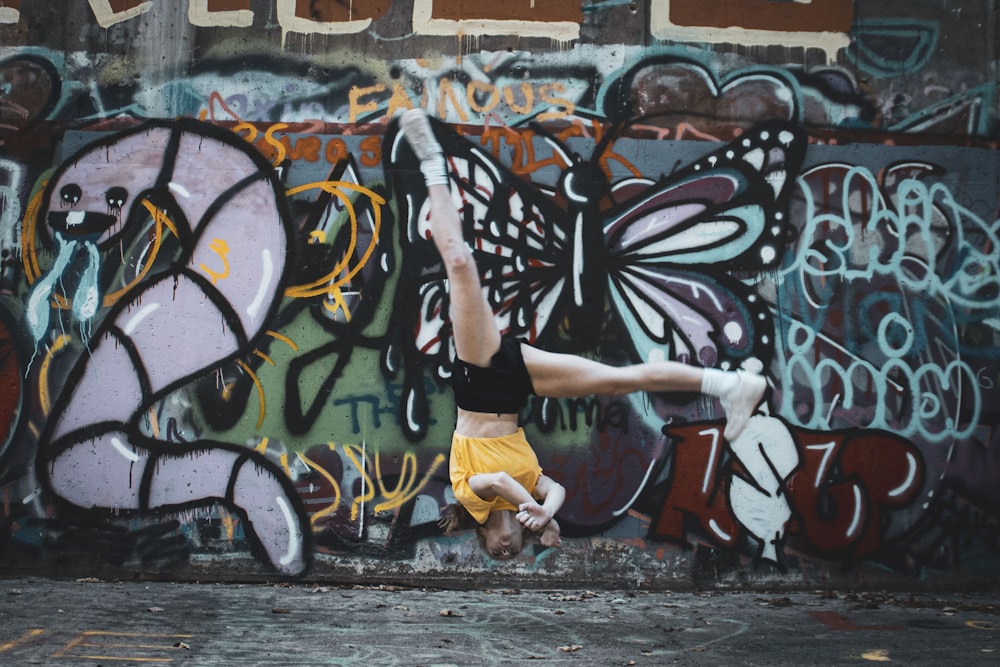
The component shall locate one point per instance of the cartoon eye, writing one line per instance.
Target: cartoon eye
(71, 194)
(116, 196)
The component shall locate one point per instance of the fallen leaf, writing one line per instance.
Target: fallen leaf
(390, 588)
(878, 655)
(279, 610)
(570, 597)
(781, 602)
(569, 649)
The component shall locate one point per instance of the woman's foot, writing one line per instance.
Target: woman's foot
(740, 402)
(549, 536)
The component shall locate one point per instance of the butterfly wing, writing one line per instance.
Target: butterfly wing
(686, 316)
(672, 248)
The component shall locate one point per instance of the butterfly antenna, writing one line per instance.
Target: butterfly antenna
(610, 136)
(553, 141)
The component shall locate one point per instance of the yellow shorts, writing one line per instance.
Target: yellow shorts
(473, 456)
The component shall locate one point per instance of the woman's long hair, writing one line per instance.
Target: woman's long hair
(454, 517)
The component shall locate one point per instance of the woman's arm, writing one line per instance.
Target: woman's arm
(551, 493)
(536, 516)
(531, 514)
(492, 484)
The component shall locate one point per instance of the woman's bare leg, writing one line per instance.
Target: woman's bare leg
(558, 375)
(475, 331)
(565, 375)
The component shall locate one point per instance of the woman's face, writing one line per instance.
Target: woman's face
(503, 535)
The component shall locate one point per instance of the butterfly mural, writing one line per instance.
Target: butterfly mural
(586, 262)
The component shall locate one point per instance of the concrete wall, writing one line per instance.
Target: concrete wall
(225, 336)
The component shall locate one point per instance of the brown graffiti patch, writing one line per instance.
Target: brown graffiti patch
(27, 89)
(815, 16)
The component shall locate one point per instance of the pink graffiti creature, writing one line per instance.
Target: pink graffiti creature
(179, 303)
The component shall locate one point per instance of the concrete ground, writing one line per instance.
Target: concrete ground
(90, 622)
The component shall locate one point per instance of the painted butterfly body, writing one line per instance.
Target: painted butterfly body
(659, 257)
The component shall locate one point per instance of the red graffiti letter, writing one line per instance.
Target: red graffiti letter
(698, 491)
(845, 484)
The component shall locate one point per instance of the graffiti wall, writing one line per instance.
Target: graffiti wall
(226, 333)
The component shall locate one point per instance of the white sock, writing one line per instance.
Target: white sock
(434, 171)
(715, 382)
(420, 136)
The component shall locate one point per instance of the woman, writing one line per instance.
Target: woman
(494, 471)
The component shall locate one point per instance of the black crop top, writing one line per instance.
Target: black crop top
(502, 387)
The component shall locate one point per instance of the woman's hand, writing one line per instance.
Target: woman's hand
(537, 519)
(533, 516)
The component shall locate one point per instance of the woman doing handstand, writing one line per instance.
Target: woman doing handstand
(494, 471)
